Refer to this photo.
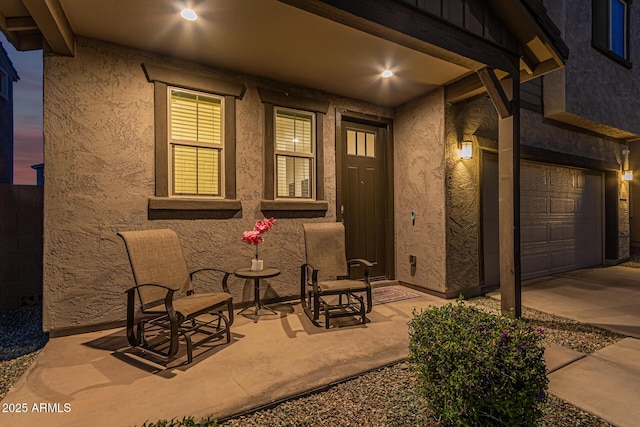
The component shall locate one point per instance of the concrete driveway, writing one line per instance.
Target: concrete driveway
(606, 382)
(608, 298)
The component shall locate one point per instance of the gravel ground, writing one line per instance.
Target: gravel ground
(384, 397)
(21, 340)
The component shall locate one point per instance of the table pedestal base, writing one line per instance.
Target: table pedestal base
(257, 306)
(256, 276)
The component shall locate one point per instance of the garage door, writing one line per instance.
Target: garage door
(561, 219)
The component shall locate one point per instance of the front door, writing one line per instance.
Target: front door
(363, 196)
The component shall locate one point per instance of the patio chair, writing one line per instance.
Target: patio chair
(326, 274)
(168, 307)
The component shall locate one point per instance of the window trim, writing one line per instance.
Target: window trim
(292, 207)
(599, 44)
(197, 206)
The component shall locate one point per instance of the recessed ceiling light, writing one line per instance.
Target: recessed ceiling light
(387, 73)
(189, 14)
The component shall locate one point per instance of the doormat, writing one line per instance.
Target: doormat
(387, 294)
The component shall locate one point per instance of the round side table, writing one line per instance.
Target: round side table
(247, 273)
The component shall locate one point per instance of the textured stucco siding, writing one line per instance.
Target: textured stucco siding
(419, 187)
(592, 86)
(99, 152)
(633, 188)
(463, 193)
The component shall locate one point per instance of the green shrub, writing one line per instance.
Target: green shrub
(475, 368)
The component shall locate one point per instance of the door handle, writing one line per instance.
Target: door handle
(342, 213)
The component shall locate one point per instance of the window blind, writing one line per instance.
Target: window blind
(293, 132)
(195, 119)
(294, 175)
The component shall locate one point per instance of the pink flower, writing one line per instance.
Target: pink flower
(264, 226)
(252, 237)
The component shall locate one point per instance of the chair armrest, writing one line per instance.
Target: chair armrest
(306, 264)
(168, 299)
(314, 274)
(225, 279)
(360, 261)
(151, 284)
(367, 265)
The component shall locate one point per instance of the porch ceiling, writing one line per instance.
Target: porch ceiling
(264, 38)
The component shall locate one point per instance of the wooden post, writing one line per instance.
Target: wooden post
(509, 202)
(505, 96)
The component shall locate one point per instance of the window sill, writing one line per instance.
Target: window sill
(611, 55)
(295, 208)
(193, 208)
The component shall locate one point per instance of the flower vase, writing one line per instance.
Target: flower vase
(257, 265)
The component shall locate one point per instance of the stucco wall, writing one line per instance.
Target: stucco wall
(99, 152)
(591, 85)
(419, 187)
(464, 119)
(634, 190)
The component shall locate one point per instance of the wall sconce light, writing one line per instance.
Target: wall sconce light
(627, 173)
(465, 149)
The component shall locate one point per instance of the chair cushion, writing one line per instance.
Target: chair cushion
(342, 285)
(194, 303)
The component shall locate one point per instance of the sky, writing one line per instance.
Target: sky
(27, 112)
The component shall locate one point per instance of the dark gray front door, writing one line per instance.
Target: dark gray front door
(364, 194)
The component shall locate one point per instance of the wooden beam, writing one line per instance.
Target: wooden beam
(464, 88)
(407, 26)
(471, 85)
(509, 204)
(8, 34)
(53, 24)
(526, 64)
(24, 23)
(28, 40)
(496, 92)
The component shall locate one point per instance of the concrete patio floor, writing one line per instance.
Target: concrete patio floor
(284, 355)
(278, 357)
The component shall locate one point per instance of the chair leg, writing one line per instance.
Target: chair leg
(187, 338)
(133, 335)
(327, 316)
(362, 311)
(316, 307)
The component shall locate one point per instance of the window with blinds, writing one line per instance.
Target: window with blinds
(195, 138)
(294, 153)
